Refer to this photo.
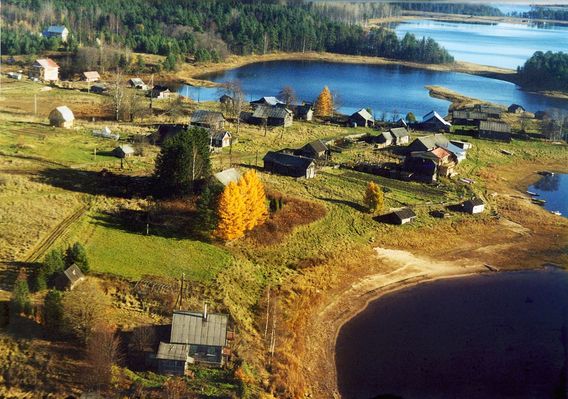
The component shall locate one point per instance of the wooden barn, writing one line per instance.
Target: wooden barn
(402, 216)
(361, 118)
(316, 150)
(473, 206)
(435, 123)
(515, 109)
(289, 165)
(90, 76)
(45, 69)
(494, 130)
(207, 119)
(62, 117)
(304, 112)
(272, 116)
(468, 118)
(400, 135)
(124, 151)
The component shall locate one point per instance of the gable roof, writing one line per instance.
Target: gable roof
(287, 160)
(46, 63)
(266, 111)
(205, 116)
(126, 149)
(270, 100)
(56, 29)
(91, 75)
(315, 146)
(191, 328)
(404, 213)
(73, 274)
(363, 113)
(514, 107)
(434, 115)
(227, 176)
(494, 126)
(65, 113)
(474, 202)
(466, 114)
(220, 134)
(432, 141)
(136, 81)
(168, 351)
(387, 136)
(440, 152)
(399, 132)
(165, 131)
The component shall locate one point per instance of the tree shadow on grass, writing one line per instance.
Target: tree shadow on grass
(354, 205)
(97, 183)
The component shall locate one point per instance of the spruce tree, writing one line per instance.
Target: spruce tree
(207, 208)
(230, 213)
(53, 311)
(77, 255)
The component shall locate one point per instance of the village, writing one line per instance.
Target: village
(74, 145)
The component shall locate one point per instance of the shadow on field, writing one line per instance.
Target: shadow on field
(97, 183)
(354, 205)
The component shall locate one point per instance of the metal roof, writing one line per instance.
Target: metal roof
(73, 274)
(65, 113)
(493, 126)
(172, 352)
(227, 176)
(399, 132)
(266, 111)
(287, 160)
(404, 213)
(46, 63)
(432, 141)
(434, 115)
(204, 116)
(56, 29)
(364, 114)
(191, 328)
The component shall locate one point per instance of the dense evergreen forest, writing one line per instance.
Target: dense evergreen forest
(558, 13)
(206, 30)
(545, 71)
(452, 8)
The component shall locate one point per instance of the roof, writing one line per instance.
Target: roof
(399, 132)
(126, 149)
(56, 29)
(474, 202)
(363, 113)
(65, 113)
(387, 135)
(440, 152)
(265, 112)
(191, 328)
(204, 116)
(227, 176)
(91, 75)
(434, 115)
(136, 81)
(270, 100)
(432, 141)
(488, 109)
(494, 126)
(404, 213)
(302, 110)
(220, 134)
(73, 274)
(172, 351)
(287, 160)
(465, 114)
(454, 149)
(514, 107)
(46, 63)
(315, 146)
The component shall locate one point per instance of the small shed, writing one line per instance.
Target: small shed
(57, 31)
(473, 206)
(15, 75)
(403, 216)
(98, 89)
(361, 118)
(165, 131)
(173, 359)
(220, 139)
(161, 92)
(69, 278)
(124, 151)
(226, 99)
(384, 139)
(90, 76)
(428, 143)
(515, 109)
(207, 119)
(137, 83)
(62, 117)
(400, 135)
(316, 150)
(289, 165)
(432, 121)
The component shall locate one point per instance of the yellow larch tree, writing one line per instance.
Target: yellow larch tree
(231, 212)
(254, 198)
(324, 103)
(374, 198)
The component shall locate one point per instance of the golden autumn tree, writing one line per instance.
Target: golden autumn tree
(324, 103)
(255, 200)
(374, 198)
(231, 212)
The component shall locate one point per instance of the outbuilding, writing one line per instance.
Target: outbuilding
(220, 139)
(494, 130)
(435, 123)
(361, 118)
(270, 100)
(137, 83)
(90, 76)
(400, 135)
(207, 119)
(57, 31)
(272, 116)
(403, 216)
(473, 206)
(124, 151)
(515, 109)
(289, 165)
(62, 116)
(316, 150)
(69, 278)
(304, 112)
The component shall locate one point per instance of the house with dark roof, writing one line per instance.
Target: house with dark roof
(44, 69)
(468, 117)
(427, 143)
(270, 100)
(420, 168)
(474, 205)
(226, 99)
(316, 150)
(515, 109)
(361, 118)
(195, 338)
(400, 135)
(207, 119)
(165, 131)
(402, 216)
(289, 165)
(494, 130)
(491, 111)
(98, 88)
(69, 278)
(56, 31)
(271, 116)
(433, 122)
(220, 138)
(383, 140)
(304, 112)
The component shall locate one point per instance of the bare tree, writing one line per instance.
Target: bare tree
(553, 128)
(288, 96)
(175, 388)
(117, 94)
(102, 354)
(234, 105)
(84, 308)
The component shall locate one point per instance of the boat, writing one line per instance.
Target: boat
(506, 152)
(546, 173)
(533, 194)
(557, 213)
(538, 201)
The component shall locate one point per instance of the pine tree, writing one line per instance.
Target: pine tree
(324, 103)
(21, 296)
(207, 208)
(77, 255)
(230, 213)
(374, 198)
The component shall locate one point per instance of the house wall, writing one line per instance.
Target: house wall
(173, 367)
(50, 74)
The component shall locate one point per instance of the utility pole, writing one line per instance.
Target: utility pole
(267, 312)
(35, 104)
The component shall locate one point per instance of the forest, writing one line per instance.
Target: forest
(203, 30)
(557, 13)
(546, 70)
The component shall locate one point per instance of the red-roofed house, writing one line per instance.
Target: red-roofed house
(45, 69)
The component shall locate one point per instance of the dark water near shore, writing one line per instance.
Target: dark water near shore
(553, 189)
(383, 88)
(499, 335)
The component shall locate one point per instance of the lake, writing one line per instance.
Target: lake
(553, 189)
(383, 88)
(502, 45)
(499, 335)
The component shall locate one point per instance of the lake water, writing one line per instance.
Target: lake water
(383, 88)
(503, 45)
(499, 335)
(553, 189)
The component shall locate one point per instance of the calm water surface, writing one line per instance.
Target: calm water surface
(553, 189)
(503, 45)
(383, 88)
(494, 336)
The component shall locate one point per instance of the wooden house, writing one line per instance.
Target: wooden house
(385, 139)
(420, 168)
(124, 151)
(207, 119)
(272, 116)
(473, 206)
(289, 165)
(220, 138)
(494, 130)
(56, 31)
(226, 100)
(45, 69)
(90, 76)
(428, 143)
(468, 117)
(435, 123)
(515, 109)
(173, 359)
(491, 111)
(304, 112)
(62, 117)
(137, 83)
(400, 135)
(361, 118)
(315, 150)
(402, 216)
(69, 278)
